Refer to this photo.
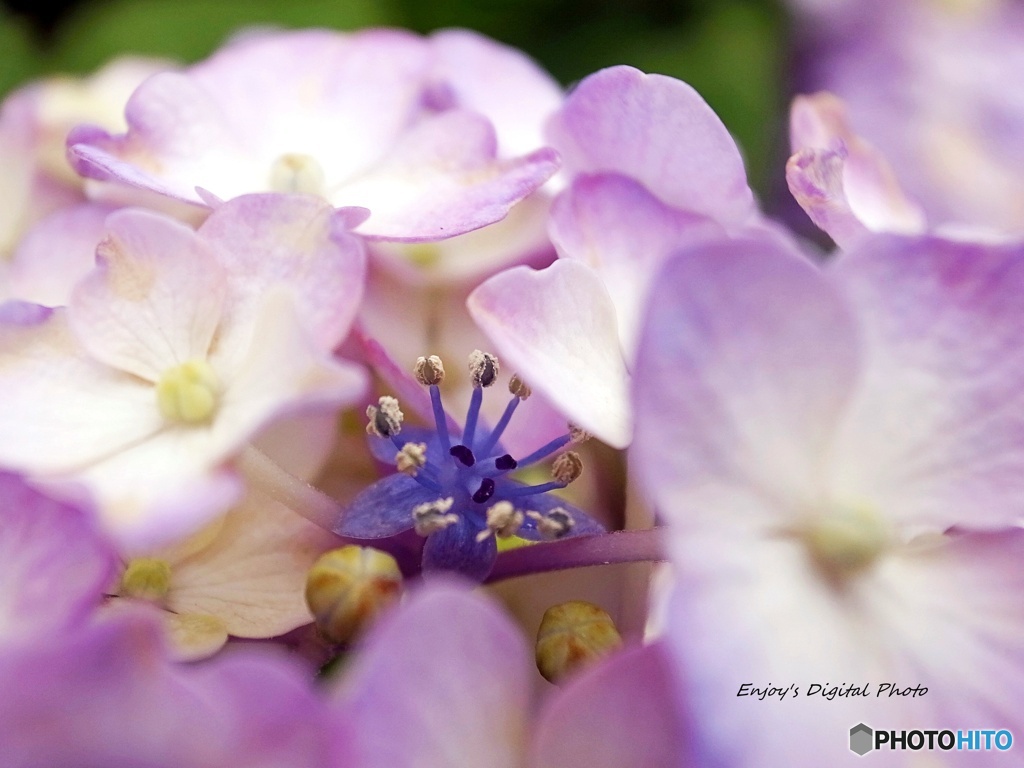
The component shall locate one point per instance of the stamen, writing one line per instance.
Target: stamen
(518, 387)
(567, 467)
(411, 458)
(433, 516)
(463, 454)
(503, 520)
(553, 525)
(188, 393)
(499, 428)
(429, 371)
(471, 416)
(440, 419)
(546, 450)
(577, 435)
(294, 172)
(533, 490)
(385, 418)
(483, 368)
(485, 491)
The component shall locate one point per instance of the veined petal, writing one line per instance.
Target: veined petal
(442, 179)
(155, 299)
(659, 131)
(622, 711)
(65, 411)
(747, 360)
(442, 679)
(936, 434)
(558, 328)
(299, 240)
(253, 574)
(624, 233)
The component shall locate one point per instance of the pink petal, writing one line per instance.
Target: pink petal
(442, 679)
(557, 328)
(659, 131)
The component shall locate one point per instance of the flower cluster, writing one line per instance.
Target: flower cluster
(240, 525)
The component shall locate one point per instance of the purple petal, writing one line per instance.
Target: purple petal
(620, 712)
(442, 679)
(384, 509)
(545, 502)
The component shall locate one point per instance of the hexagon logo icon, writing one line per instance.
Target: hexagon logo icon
(861, 739)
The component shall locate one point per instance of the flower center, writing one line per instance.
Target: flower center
(146, 578)
(294, 172)
(846, 541)
(188, 393)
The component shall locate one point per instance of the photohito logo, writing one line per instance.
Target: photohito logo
(863, 739)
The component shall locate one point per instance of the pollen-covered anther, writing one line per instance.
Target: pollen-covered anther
(429, 371)
(555, 524)
(411, 458)
(845, 541)
(567, 467)
(146, 578)
(518, 388)
(296, 172)
(503, 520)
(385, 418)
(188, 393)
(483, 368)
(573, 635)
(433, 516)
(347, 588)
(577, 435)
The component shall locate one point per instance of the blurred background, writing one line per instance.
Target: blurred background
(732, 51)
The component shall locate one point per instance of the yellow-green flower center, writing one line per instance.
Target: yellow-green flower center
(188, 393)
(146, 578)
(300, 173)
(846, 541)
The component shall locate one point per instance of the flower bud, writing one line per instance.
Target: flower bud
(347, 587)
(572, 635)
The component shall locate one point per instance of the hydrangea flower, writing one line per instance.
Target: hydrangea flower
(811, 436)
(452, 486)
(347, 117)
(177, 350)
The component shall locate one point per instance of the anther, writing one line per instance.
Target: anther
(503, 520)
(555, 524)
(577, 435)
(385, 418)
(429, 371)
(483, 368)
(518, 387)
(411, 458)
(433, 516)
(347, 588)
(573, 635)
(463, 454)
(567, 467)
(485, 491)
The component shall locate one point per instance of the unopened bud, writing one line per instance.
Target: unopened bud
(555, 524)
(567, 467)
(429, 370)
(483, 368)
(572, 635)
(411, 458)
(348, 587)
(146, 578)
(518, 387)
(385, 418)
